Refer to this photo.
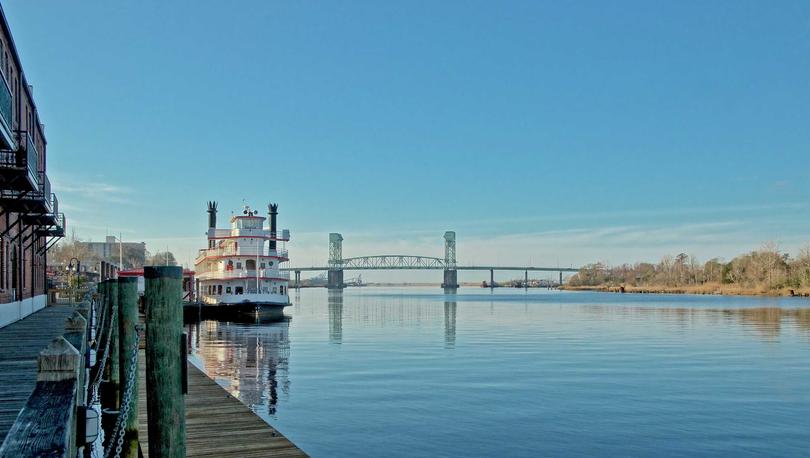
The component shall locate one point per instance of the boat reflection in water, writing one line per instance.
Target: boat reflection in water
(250, 360)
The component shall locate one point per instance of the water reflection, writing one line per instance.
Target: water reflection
(768, 321)
(250, 360)
(335, 304)
(450, 318)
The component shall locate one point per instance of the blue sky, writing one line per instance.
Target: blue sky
(550, 132)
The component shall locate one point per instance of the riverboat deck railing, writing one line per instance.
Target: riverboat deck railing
(282, 255)
(283, 236)
(244, 274)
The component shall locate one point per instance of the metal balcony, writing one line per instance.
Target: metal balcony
(19, 167)
(54, 228)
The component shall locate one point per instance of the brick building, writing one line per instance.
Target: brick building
(30, 221)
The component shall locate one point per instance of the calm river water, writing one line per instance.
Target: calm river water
(393, 372)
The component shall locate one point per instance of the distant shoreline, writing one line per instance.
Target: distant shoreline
(713, 289)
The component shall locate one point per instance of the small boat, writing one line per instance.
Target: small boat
(239, 272)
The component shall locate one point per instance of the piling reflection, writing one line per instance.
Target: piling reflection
(335, 304)
(250, 360)
(450, 317)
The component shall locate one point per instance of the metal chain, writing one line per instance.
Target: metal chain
(99, 322)
(103, 362)
(117, 436)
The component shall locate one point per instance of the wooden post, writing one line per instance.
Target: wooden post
(128, 319)
(165, 405)
(113, 362)
(76, 334)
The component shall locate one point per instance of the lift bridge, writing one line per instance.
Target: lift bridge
(337, 264)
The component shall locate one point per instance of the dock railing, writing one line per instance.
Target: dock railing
(53, 416)
(54, 421)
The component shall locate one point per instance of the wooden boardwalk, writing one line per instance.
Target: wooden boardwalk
(218, 424)
(20, 344)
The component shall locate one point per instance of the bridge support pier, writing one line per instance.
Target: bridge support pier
(335, 279)
(450, 279)
(297, 279)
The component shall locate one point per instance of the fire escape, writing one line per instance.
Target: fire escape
(24, 187)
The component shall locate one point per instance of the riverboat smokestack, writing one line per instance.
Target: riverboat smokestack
(273, 208)
(212, 214)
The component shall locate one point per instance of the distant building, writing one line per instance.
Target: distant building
(30, 221)
(133, 253)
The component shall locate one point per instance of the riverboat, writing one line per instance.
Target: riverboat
(240, 270)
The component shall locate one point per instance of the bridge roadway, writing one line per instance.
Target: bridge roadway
(408, 262)
(522, 269)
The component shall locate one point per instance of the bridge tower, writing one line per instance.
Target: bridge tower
(450, 272)
(335, 274)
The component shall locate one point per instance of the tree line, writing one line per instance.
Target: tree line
(764, 269)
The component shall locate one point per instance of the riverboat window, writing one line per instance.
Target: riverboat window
(262, 265)
(219, 291)
(281, 289)
(230, 266)
(274, 290)
(271, 263)
(238, 265)
(240, 290)
(228, 290)
(250, 264)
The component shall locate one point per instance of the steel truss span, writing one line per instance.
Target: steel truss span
(391, 262)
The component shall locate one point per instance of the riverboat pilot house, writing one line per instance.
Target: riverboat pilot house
(30, 220)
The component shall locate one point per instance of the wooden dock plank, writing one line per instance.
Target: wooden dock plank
(20, 344)
(218, 424)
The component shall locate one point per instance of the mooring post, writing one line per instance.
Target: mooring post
(128, 319)
(165, 405)
(491, 278)
(113, 362)
(526, 279)
(76, 333)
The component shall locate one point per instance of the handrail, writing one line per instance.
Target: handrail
(6, 103)
(45, 189)
(228, 251)
(263, 233)
(32, 157)
(237, 274)
(54, 204)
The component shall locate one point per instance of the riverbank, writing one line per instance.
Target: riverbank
(707, 288)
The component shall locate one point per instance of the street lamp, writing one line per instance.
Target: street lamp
(70, 270)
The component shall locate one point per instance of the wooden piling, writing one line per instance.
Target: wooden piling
(164, 391)
(113, 362)
(128, 319)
